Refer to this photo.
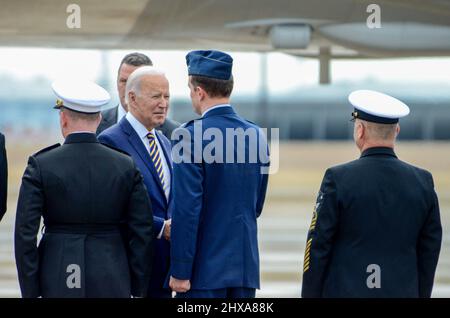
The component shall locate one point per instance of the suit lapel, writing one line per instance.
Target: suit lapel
(137, 144)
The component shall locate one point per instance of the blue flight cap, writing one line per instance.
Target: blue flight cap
(214, 64)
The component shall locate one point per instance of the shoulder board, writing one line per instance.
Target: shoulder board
(161, 135)
(47, 149)
(116, 149)
(249, 121)
(190, 122)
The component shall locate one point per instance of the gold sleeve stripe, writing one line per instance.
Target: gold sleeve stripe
(313, 221)
(306, 266)
(307, 260)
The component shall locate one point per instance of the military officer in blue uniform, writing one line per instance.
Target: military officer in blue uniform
(97, 240)
(376, 229)
(214, 251)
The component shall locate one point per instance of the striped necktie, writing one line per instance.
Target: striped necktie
(156, 158)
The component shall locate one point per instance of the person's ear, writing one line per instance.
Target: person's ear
(397, 130)
(62, 118)
(131, 98)
(361, 130)
(201, 93)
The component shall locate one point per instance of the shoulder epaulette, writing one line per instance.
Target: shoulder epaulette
(116, 149)
(249, 121)
(186, 124)
(47, 149)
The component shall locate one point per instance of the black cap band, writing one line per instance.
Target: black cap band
(59, 106)
(372, 118)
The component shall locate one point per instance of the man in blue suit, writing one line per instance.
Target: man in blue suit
(216, 202)
(147, 94)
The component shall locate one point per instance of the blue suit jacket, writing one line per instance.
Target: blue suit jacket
(124, 137)
(216, 205)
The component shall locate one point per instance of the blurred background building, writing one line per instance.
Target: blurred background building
(272, 89)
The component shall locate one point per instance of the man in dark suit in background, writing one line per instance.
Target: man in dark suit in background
(113, 115)
(96, 211)
(376, 229)
(3, 176)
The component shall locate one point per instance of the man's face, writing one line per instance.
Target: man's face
(124, 72)
(151, 105)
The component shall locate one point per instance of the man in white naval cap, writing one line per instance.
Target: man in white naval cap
(376, 229)
(95, 209)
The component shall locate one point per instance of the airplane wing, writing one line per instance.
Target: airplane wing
(326, 29)
(301, 27)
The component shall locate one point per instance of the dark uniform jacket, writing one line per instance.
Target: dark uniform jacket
(98, 223)
(109, 118)
(373, 216)
(3, 176)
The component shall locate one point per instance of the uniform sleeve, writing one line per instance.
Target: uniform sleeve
(139, 236)
(262, 194)
(264, 179)
(320, 238)
(429, 247)
(3, 177)
(187, 205)
(29, 210)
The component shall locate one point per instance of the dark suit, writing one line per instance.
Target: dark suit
(109, 118)
(380, 211)
(215, 211)
(124, 137)
(3, 176)
(97, 216)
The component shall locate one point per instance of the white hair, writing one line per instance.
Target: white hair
(134, 80)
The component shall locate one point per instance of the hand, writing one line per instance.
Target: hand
(167, 228)
(179, 286)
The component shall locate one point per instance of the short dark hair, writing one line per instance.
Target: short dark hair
(214, 87)
(136, 59)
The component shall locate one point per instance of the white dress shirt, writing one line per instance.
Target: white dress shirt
(82, 132)
(142, 133)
